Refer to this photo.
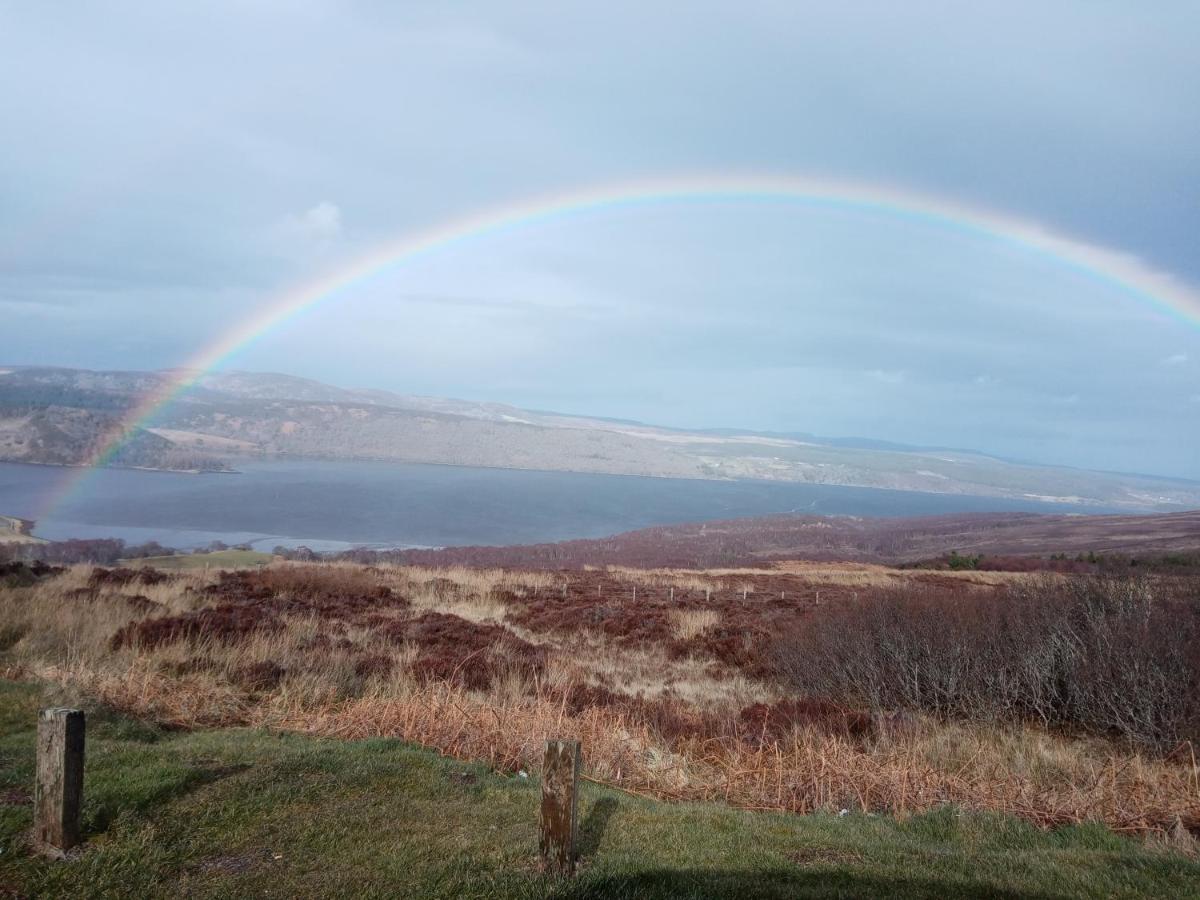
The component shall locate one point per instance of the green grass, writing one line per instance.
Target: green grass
(233, 813)
(220, 559)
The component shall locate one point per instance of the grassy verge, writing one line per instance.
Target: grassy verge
(220, 559)
(241, 812)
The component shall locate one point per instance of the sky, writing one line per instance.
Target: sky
(168, 169)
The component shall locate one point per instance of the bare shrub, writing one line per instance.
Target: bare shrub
(1112, 656)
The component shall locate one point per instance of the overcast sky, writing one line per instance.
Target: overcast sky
(167, 168)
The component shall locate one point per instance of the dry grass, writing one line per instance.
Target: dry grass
(648, 672)
(679, 579)
(477, 581)
(847, 574)
(472, 607)
(690, 623)
(64, 620)
(1053, 781)
(295, 677)
(872, 575)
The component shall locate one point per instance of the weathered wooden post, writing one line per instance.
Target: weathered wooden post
(58, 793)
(560, 782)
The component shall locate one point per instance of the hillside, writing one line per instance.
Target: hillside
(298, 729)
(59, 416)
(755, 541)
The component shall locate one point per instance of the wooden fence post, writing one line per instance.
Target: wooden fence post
(560, 782)
(58, 793)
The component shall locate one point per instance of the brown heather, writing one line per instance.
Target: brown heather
(687, 692)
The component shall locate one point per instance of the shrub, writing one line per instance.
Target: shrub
(1117, 656)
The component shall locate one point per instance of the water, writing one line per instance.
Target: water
(332, 505)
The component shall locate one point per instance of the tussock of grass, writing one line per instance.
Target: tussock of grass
(690, 623)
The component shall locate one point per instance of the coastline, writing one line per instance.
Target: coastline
(52, 465)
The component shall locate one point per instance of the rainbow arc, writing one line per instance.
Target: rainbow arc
(1115, 269)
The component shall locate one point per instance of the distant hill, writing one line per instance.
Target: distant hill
(59, 416)
(754, 541)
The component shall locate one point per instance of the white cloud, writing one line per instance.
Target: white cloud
(1175, 359)
(308, 236)
(886, 376)
(321, 224)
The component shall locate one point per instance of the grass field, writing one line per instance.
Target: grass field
(243, 812)
(221, 559)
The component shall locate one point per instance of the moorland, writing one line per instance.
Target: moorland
(1017, 723)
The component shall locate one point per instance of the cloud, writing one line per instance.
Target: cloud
(40, 307)
(1175, 359)
(886, 376)
(322, 224)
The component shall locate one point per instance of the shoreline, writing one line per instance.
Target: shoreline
(52, 465)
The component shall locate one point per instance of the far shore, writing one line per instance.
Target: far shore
(53, 465)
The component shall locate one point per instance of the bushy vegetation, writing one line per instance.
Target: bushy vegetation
(1113, 656)
(98, 551)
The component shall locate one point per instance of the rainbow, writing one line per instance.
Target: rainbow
(1112, 268)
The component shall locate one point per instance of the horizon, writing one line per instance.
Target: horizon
(847, 440)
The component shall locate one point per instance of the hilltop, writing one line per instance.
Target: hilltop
(59, 416)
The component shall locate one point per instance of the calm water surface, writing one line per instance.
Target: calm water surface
(329, 505)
